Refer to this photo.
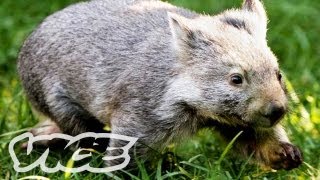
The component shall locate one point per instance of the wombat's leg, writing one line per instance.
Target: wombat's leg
(74, 120)
(129, 125)
(46, 127)
(139, 151)
(270, 148)
(273, 149)
(70, 117)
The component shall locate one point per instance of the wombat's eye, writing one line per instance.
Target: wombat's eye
(236, 79)
(279, 76)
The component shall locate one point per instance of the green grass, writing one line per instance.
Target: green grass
(294, 37)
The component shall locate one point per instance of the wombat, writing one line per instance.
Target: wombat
(160, 73)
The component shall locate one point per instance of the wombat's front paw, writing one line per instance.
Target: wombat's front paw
(285, 156)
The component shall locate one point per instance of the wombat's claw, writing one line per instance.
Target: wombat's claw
(287, 158)
(46, 127)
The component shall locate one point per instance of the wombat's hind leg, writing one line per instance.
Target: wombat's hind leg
(46, 127)
(70, 116)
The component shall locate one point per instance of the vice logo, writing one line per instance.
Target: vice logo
(78, 155)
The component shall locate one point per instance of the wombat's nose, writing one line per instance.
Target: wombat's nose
(275, 111)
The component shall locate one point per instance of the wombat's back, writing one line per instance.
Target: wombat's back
(90, 52)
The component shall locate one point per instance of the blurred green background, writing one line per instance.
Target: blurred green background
(293, 35)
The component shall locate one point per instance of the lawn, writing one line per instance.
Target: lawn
(294, 37)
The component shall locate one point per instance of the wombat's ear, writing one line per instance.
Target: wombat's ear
(179, 29)
(257, 7)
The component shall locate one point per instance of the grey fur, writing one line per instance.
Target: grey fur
(151, 70)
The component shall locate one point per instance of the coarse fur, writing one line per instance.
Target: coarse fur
(158, 72)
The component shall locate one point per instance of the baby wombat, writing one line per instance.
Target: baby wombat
(158, 72)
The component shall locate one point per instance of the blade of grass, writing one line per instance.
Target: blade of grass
(244, 165)
(170, 175)
(15, 132)
(227, 149)
(194, 165)
(195, 157)
(131, 175)
(113, 176)
(184, 172)
(158, 174)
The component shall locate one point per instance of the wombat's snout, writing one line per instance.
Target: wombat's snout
(274, 111)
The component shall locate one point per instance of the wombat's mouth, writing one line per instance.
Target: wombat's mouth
(255, 121)
(270, 115)
(263, 121)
